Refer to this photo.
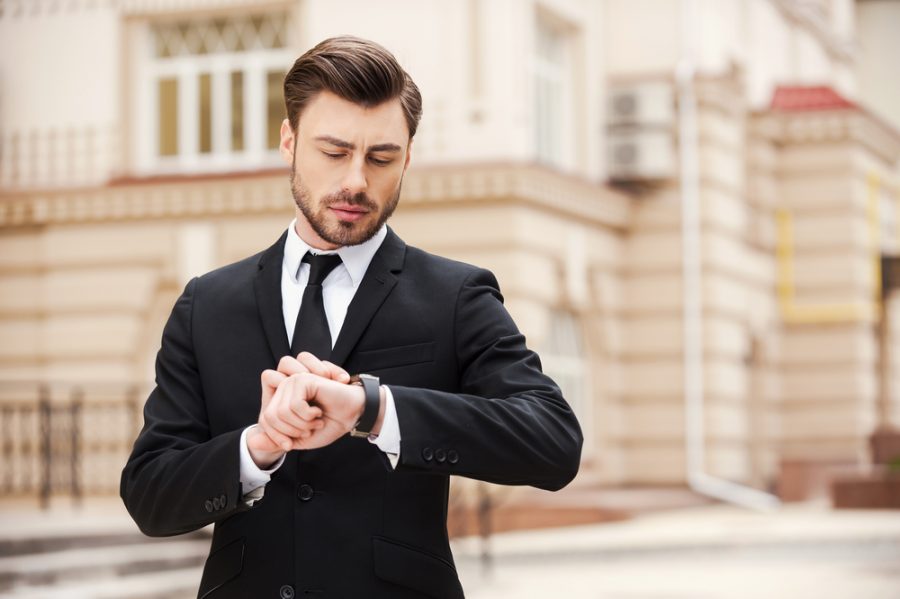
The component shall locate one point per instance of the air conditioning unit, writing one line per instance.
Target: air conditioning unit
(640, 125)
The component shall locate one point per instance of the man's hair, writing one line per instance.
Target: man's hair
(357, 70)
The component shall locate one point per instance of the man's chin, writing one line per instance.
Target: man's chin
(347, 233)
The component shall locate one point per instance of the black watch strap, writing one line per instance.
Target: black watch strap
(372, 387)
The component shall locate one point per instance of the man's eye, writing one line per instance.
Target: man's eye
(379, 161)
(333, 156)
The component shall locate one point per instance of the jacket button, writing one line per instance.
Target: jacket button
(305, 493)
(208, 505)
(440, 455)
(427, 454)
(286, 592)
(216, 503)
(223, 501)
(452, 456)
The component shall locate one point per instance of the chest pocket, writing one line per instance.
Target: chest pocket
(393, 357)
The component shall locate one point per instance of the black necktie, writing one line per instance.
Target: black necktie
(311, 331)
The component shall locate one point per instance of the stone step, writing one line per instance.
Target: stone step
(37, 543)
(85, 564)
(170, 584)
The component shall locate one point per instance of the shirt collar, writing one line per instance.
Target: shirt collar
(356, 258)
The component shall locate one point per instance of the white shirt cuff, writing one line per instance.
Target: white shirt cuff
(252, 476)
(388, 440)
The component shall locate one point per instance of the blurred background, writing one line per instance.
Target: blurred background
(691, 206)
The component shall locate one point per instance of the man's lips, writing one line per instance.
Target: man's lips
(348, 212)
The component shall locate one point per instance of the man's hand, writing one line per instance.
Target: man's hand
(306, 362)
(280, 422)
(341, 406)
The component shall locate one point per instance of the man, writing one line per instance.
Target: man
(301, 507)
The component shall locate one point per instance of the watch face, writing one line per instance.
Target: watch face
(357, 379)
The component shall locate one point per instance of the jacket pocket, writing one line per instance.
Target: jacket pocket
(223, 565)
(413, 568)
(392, 357)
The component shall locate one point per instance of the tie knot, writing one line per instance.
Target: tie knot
(320, 265)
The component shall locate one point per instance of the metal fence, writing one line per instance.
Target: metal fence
(72, 440)
(65, 440)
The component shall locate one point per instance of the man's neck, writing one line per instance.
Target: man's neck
(310, 237)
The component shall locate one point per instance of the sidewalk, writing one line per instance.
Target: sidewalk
(97, 516)
(708, 552)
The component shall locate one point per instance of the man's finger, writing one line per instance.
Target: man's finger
(279, 413)
(312, 364)
(305, 411)
(284, 427)
(295, 413)
(270, 379)
(268, 416)
(336, 373)
(279, 438)
(289, 365)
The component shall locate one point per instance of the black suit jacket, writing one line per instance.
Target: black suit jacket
(339, 522)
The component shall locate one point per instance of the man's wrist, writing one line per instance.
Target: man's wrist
(263, 459)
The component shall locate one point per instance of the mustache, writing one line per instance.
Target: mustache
(345, 197)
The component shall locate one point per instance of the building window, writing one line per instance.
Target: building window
(215, 88)
(564, 360)
(552, 91)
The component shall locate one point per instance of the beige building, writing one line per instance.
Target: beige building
(564, 145)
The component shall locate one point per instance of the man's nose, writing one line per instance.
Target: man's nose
(355, 178)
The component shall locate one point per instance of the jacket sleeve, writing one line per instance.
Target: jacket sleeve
(179, 478)
(509, 424)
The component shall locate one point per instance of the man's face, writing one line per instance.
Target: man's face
(347, 165)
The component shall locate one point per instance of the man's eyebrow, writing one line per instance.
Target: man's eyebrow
(385, 147)
(336, 142)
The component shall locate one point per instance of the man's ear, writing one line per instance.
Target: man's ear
(408, 155)
(287, 144)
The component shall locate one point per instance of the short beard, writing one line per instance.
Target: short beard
(343, 233)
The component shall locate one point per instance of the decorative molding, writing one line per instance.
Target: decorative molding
(268, 191)
(19, 9)
(520, 183)
(169, 7)
(828, 126)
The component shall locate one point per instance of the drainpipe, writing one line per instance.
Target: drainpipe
(698, 480)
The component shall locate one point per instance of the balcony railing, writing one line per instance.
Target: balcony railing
(65, 440)
(55, 158)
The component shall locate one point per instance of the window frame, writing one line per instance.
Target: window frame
(565, 357)
(254, 63)
(557, 121)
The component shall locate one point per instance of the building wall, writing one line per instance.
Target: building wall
(833, 174)
(93, 252)
(473, 61)
(878, 23)
(772, 41)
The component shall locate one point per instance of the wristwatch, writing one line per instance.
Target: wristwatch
(372, 387)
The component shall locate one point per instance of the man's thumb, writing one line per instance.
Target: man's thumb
(270, 379)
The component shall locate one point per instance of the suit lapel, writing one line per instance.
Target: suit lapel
(267, 287)
(377, 283)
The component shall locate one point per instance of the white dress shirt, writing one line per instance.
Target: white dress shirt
(338, 290)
